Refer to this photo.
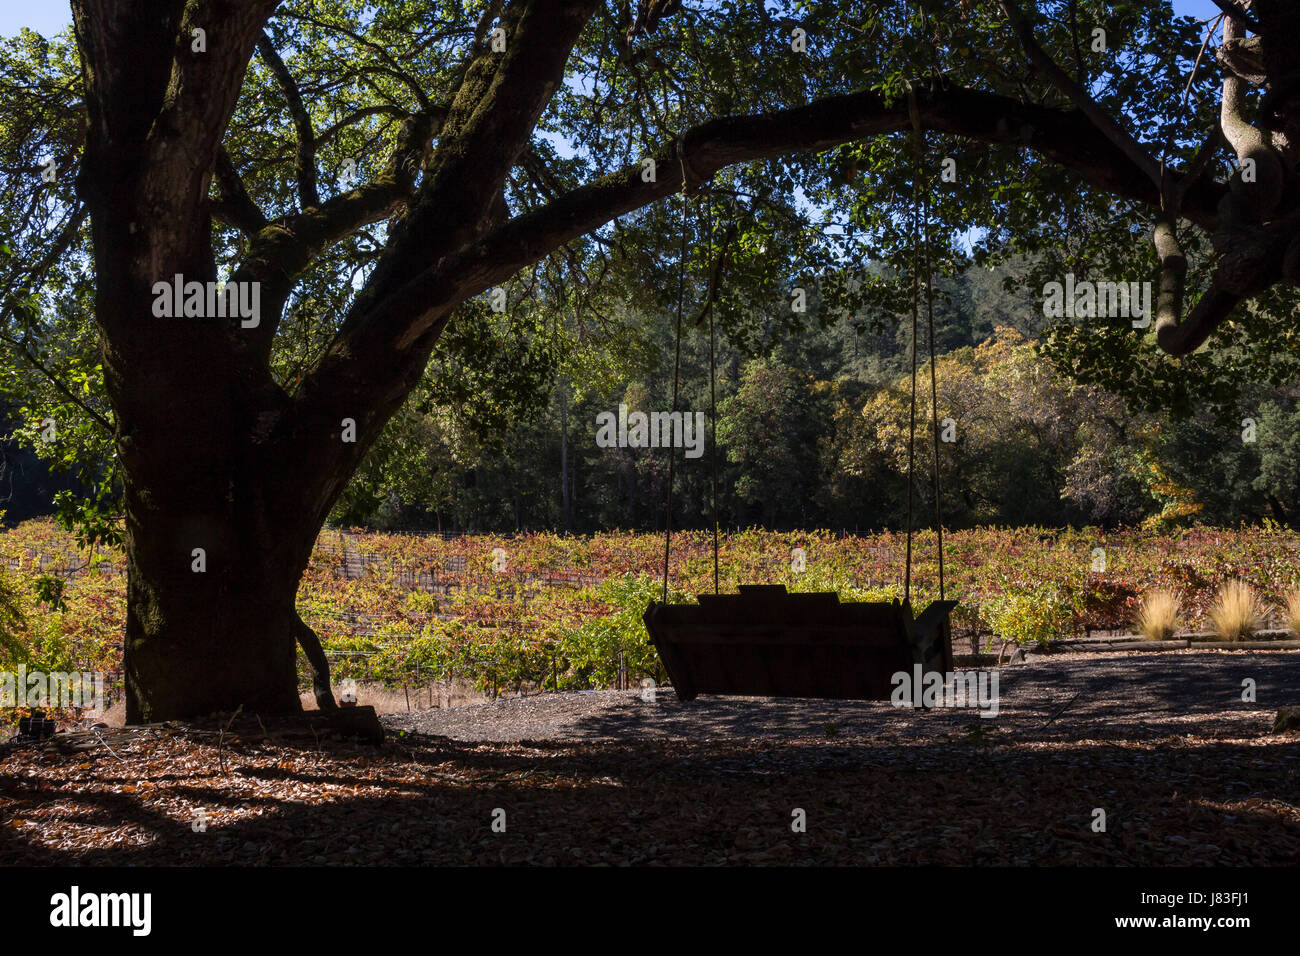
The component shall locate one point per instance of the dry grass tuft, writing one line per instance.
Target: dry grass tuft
(115, 714)
(389, 700)
(1291, 611)
(385, 700)
(1237, 612)
(1158, 618)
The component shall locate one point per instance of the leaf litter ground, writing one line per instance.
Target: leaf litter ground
(1186, 772)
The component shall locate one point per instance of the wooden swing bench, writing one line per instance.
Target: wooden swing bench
(767, 642)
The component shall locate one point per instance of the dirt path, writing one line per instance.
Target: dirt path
(1119, 696)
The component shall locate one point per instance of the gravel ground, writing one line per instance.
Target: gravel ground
(1117, 696)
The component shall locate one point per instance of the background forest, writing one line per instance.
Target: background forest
(812, 432)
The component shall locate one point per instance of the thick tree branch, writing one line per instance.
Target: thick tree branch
(1184, 337)
(320, 665)
(1254, 256)
(1234, 10)
(398, 329)
(1065, 137)
(1256, 196)
(281, 250)
(488, 124)
(305, 139)
(161, 81)
(1173, 273)
(235, 207)
(1280, 107)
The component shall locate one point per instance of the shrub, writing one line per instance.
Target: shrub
(1037, 616)
(1105, 604)
(592, 648)
(12, 620)
(1158, 617)
(1237, 612)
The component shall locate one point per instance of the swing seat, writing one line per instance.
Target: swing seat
(767, 642)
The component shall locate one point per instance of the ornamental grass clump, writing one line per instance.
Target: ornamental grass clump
(1291, 611)
(1237, 612)
(1158, 618)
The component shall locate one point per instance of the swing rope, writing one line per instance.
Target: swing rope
(677, 369)
(921, 240)
(713, 406)
(911, 425)
(687, 177)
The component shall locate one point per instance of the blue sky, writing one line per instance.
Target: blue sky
(51, 16)
(43, 16)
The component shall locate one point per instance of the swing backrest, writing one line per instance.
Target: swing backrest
(766, 642)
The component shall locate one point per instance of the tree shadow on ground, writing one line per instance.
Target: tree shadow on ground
(1115, 697)
(673, 803)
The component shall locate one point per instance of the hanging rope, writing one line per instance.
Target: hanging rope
(688, 178)
(934, 386)
(921, 240)
(713, 399)
(911, 425)
(713, 389)
(937, 78)
(677, 369)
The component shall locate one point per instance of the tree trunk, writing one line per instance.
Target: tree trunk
(219, 526)
(207, 642)
(211, 623)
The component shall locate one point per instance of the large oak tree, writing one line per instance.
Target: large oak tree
(491, 136)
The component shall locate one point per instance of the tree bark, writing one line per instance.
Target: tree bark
(201, 643)
(214, 554)
(212, 570)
